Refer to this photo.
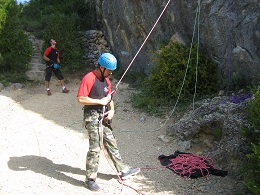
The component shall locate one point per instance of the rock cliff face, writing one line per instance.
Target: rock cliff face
(229, 31)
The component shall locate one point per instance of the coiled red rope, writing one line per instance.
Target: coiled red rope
(188, 164)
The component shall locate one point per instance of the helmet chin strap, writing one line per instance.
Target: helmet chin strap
(102, 73)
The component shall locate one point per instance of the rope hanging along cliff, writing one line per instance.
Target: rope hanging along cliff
(114, 91)
(116, 88)
(196, 23)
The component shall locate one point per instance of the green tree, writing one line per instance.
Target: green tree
(68, 40)
(251, 167)
(14, 44)
(35, 13)
(62, 20)
(166, 77)
(3, 5)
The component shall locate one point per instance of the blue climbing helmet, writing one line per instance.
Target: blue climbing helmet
(108, 61)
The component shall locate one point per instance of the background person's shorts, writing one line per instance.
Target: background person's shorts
(49, 71)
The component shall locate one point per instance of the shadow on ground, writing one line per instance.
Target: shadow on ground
(46, 167)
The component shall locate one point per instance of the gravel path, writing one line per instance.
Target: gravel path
(43, 148)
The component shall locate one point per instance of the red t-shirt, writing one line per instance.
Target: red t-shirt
(92, 87)
(52, 53)
(48, 51)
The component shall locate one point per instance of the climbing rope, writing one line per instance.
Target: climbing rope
(141, 46)
(114, 91)
(229, 41)
(101, 143)
(187, 66)
(229, 52)
(188, 164)
(197, 61)
(196, 22)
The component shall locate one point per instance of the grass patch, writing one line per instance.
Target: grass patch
(7, 78)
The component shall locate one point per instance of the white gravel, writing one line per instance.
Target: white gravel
(43, 148)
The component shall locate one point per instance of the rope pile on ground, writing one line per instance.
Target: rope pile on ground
(190, 165)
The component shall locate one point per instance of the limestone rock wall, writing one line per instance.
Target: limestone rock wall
(37, 64)
(229, 31)
(94, 44)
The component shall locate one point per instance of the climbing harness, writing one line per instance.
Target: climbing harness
(87, 125)
(100, 131)
(114, 91)
(171, 165)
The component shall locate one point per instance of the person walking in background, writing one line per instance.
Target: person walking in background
(52, 58)
(95, 94)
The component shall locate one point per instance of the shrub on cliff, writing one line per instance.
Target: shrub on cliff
(251, 167)
(167, 75)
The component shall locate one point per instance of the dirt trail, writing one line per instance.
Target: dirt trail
(43, 147)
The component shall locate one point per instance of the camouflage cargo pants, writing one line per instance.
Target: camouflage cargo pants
(95, 141)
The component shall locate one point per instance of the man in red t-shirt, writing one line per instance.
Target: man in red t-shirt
(52, 58)
(95, 94)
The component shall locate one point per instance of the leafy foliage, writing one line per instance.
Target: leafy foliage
(152, 105)
(165, 81)
(61, 20)
(14, 44)
(254, 111)
(251, 168)
(3, 5)
(68, 40)
(12, 77)
(135, 79)
(140, 99)
(251, 132)
(167, 75)
(38, 10)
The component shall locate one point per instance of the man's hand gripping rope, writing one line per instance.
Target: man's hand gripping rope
(106, 115)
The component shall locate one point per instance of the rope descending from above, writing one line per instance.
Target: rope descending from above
(165, 7)
(196, 24)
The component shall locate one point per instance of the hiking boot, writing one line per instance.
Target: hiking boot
(92, 185)
(65, 90)
(49, 92)
(131, 171)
